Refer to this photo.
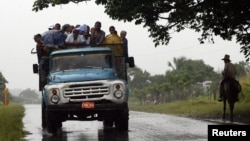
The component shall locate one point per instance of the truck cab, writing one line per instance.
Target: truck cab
(85, 84)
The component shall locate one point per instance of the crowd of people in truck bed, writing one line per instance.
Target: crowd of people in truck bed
(78, 36)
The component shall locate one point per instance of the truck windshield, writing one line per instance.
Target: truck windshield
(81, 61)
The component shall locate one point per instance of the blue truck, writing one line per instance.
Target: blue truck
(85, 84)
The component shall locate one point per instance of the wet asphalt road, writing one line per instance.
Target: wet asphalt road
(142, 127)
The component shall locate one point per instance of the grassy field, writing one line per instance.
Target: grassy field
(11, 126)
(200, 108)
(204, 108)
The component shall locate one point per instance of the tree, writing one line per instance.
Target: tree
(242, 69)
(185, 75)
(29, 96)
(3, 82)
(224, 18)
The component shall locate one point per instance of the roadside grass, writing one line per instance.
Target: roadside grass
(199, 108)
(11, 125)
(202, 107)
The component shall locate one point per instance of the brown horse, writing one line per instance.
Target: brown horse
(230, 94)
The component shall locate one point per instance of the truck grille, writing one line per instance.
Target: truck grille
(87, 91)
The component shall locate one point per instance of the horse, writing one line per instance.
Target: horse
(230, 88)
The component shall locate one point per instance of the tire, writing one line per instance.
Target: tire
(121, 123)
(108, 123)
(44, 122)
(53, 123)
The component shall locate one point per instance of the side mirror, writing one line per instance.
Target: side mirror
(35, 68)
(131, 62)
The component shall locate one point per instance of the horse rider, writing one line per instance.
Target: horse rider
(228, 74)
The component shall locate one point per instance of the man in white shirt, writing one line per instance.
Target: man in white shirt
(75, 40)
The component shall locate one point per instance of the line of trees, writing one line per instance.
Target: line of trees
(29, 96)
(183, 81)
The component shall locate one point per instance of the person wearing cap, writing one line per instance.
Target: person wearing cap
(228, 74)
(85, 31)
(51, 27)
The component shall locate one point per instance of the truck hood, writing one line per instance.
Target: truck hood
(81, 75)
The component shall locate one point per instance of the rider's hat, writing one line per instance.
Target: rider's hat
(226, 57)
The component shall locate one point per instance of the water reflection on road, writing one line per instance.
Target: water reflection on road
(102, 135)
(142, 127)
(71, 131)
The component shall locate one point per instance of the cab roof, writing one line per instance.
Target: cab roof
(84, 49)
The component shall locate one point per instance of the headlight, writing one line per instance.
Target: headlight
(55, 95)
(55, 99)
(118, 94)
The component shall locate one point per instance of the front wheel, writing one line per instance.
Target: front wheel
(52, 121)
(44, 125)
(108, 123)
(121, 123)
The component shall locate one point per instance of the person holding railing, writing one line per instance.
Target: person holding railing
(97, 35)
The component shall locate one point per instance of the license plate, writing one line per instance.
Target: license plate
(88, 105)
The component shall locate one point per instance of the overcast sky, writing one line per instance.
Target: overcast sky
(19, 23)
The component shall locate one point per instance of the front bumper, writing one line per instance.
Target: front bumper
(78, 107)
